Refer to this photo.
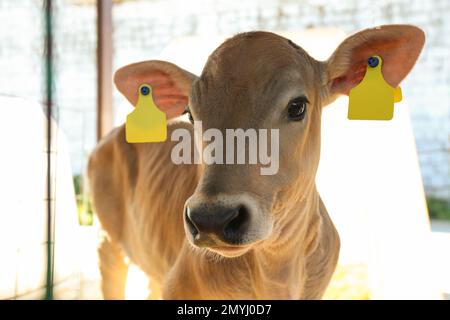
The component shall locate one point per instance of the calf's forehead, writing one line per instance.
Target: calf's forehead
(249, 66)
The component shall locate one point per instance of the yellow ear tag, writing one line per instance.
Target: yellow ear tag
(373, 98)
(146, 123)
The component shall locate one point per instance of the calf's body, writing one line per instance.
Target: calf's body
(224, 231)
(140, 207)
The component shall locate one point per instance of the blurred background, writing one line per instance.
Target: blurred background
(390, 198)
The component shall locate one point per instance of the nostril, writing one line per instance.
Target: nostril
(191, 226)
(239, 223)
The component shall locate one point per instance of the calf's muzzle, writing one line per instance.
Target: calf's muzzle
(216, 224)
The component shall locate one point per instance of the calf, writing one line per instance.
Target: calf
(224, 231)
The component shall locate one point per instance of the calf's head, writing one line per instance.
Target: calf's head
(259, 80)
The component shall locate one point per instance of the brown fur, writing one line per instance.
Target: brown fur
(139, 194)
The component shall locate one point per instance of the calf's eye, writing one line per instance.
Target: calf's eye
(297, 108)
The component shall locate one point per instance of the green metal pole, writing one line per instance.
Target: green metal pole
(48, 56)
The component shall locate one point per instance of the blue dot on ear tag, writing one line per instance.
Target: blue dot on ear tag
(373, 62)
(145, 90)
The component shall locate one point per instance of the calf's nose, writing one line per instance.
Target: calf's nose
(207, 224)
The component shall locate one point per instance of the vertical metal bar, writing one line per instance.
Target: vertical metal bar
(49, 113)
(104, 67)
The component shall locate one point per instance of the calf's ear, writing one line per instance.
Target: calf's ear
(170, 84)
(398, 45)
